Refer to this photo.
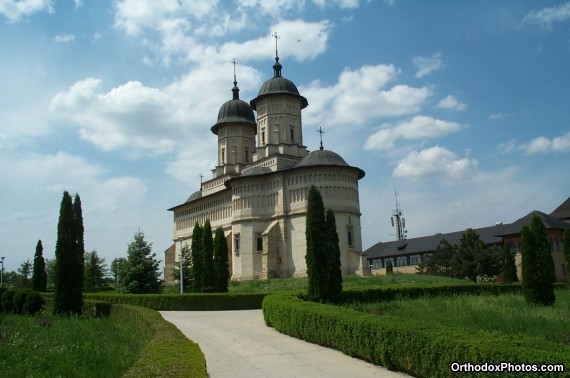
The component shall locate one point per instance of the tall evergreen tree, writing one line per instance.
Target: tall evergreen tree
(537, 265)
(186, 269)
(95, 272)
(208, 273)
(196, 252)
(142, 276)
(314, 232)
(25, 270)
(390, 268)
(465, 259)
(68, 298)
(509, 268)
(119, 268)
(221, 268)
(439, 262)
(80, 243)
(39, 277)
(333, 279)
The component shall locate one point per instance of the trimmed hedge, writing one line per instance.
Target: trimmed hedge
(186, 302)
(21, 301)
(168, 353)
(402, 344)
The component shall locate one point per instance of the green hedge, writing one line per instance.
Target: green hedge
(389, 293)
(168, 353)
(185, 302)
(402, 344)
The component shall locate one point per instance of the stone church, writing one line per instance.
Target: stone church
(258, 190)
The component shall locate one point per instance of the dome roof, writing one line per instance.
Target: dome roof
(278, 85)
(233, 111)
(194, 196)
(255, 171)
(326, 158)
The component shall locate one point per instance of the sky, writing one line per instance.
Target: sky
(461, 107)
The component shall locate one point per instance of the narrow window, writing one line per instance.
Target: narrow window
(246, 152)
(223, 156)
(263, 137)
(259, 244)
(292, 135)
(236, 245)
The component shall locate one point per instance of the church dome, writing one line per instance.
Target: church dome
(235, 111)
(325, 158)
(194, 196)
(278, 85)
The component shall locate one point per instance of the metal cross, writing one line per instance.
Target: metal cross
(320, 131)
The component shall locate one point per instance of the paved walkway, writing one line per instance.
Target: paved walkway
(239, 344)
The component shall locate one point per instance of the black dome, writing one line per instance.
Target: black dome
(233, 111)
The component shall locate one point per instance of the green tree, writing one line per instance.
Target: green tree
(39, 277)
(208, 273)
(439, 262)
(509, 268)
(315, 256)
(50, 271)
(389, 268)
(68, 297)
(80, 244)
(333, 279)
(221, 268)
(464, 262)
(196, 253)
(25, 270)
(142, 275)
(537, 265)
(95, 272)
(119, 267)
(186, 269)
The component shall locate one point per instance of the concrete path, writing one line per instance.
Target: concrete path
(239, 344)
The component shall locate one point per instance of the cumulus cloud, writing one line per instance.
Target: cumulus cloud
(64, 38)
(363, 92)
(418, 127)
(15, 10)
(545, 17)
(560, 144)
(435, 163)
(428, 64)
(451, 103)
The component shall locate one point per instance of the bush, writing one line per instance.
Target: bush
(8, 300)
(33, 303)
(402, 344)
(19, 300)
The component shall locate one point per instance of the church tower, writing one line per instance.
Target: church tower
(236, 130)
(279, 127)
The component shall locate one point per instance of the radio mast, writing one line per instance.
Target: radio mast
(398, 220)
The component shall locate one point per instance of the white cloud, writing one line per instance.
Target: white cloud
(496, 116)
(418, 127)
(560, 144)
(78, 3)
(451, 103)
(435, 163)
(545, 17)
(15, 10)
(428, 64)
(64, 38)
(362, 92)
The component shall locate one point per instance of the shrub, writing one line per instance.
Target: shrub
(19, 300)
(8, 300)
(33, 303)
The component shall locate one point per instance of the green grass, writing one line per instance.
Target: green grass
(48, 346)
(349, 282)
(506, 314)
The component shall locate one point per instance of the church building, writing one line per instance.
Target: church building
(258, 190)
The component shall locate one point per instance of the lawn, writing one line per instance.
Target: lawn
(506, 314)
(48, 346)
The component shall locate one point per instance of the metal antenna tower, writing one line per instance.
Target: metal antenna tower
(398, 220)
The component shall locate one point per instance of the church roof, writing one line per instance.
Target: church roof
(194, 196)
(325, 158)
(278, 85)
(255, 171)
(234, 111)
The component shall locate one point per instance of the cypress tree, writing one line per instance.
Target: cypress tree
(314, 232)
(333, 283)
(80, 246)
(537, 264)
(389, 268)
(509, 268)
(208, 274)
(39, 276)
(196, 251)
(221, 261)
(67, 296)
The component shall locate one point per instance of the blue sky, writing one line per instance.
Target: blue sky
(463, 107)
